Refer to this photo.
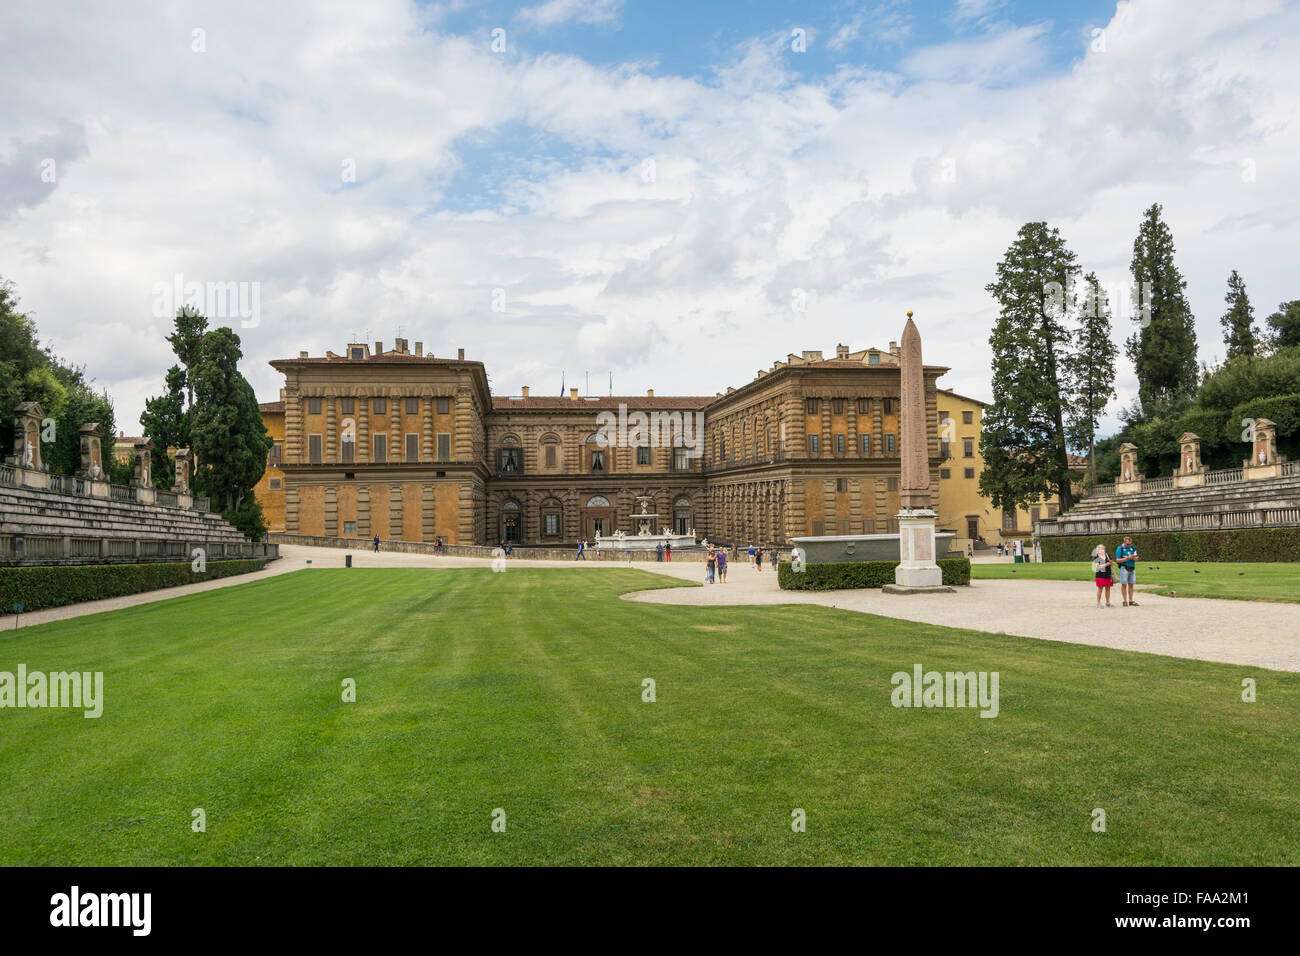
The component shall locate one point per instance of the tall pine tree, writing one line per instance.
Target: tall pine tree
(1090, 371)
(1239, 333)
(1024, 439)
(1163, 350)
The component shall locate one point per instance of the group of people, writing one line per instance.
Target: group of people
(717, 559)
(1105, 569)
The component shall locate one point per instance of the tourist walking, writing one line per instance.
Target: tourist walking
(668, 551)
(376, 542)
(751, 555)
(722, 565)
(659, 552)
(710, 562)
(1126, 558)
(1101, 573)
(758, 558)
(582, 547)
(772, 558)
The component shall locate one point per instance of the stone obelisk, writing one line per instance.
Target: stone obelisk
(916, 569)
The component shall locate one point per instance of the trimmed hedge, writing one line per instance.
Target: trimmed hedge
(44, 586)
(860, 574)
(1246, 544)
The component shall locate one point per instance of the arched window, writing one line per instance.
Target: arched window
(550, 450)
(512, 531)
(682, 515)
(510, 456)
(597, 501)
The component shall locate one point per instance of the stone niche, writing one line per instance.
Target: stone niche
(92, 456)
(1129, 479)
(27, 436)
(1190, 471)
(1264, 461)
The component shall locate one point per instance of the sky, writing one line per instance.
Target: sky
(674, 194)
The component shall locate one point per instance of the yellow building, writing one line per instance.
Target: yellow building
(963, 510)
(270, 490)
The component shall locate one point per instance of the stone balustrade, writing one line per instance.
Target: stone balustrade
(26, 549)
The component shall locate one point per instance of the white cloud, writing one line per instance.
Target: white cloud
(554, 12)
(872, 192)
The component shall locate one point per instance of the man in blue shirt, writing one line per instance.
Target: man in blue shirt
(1126, 557)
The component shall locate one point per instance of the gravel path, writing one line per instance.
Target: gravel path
(1257, 634)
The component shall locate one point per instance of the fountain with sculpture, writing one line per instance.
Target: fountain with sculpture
(644, 520)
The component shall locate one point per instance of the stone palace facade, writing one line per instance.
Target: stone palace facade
(408, 446)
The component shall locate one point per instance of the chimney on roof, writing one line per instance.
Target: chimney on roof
(302, 355)
(460, 354)
(524, 391)
(649, 393)
(573, 393)
(809, 356)
(379, 348)
(419, 349)
(841, 351)
(399, 346)
(893, 348)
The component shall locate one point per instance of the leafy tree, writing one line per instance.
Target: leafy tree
(227, 434)
(82, 404)
(20, 355)
(1090, 371)
(1239, 333)
(1163, 350)
(187, 343)
(166, 421)
(1024, 439)
(1284, 325)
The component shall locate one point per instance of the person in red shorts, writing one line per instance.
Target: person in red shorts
(1102, 573)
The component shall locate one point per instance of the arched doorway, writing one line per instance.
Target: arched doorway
(682, 515)
(597, 517)
(512, 525)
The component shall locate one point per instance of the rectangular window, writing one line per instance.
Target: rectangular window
(837, 406)
(887, 406)
(1051, 511)
(874, 359)
(943, 416)
(444, 405)
(841, 484)
(1009, 520)
(412, 446)
(866, 444)
(813, 406)
(814, 444)
(444, 446)
(550, 524)
(313, 406)
(348, 446)
(598, 460)
(643, 455)
(348, 406)
(550, 456)
(968, 472)
(945, 472)
(381, 448)
(381, 406)
(349, 527)
(968, 448)
(275, 484)
(681, 458)
(276, 455)
(1035, 514)
(891, 484)
(889, 444)
(512, 460)
(817, 528)
(358, 353)
(412, 406)
(313, 449)
(968, 418)
(945, 450)
(839, 444)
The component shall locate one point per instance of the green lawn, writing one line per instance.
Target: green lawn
(1240, 581)
(522, 691)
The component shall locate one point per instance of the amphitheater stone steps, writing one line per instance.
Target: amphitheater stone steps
(1229, 496)
(31, 512)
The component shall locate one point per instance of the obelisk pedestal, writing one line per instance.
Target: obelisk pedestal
(917, 572)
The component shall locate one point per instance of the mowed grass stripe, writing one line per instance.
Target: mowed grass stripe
(522, 690)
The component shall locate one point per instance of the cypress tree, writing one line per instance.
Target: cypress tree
(1163, 350)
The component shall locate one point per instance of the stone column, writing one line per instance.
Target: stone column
(917, 570)
(1264, 461)
(1130, 479)
(1190, 472)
